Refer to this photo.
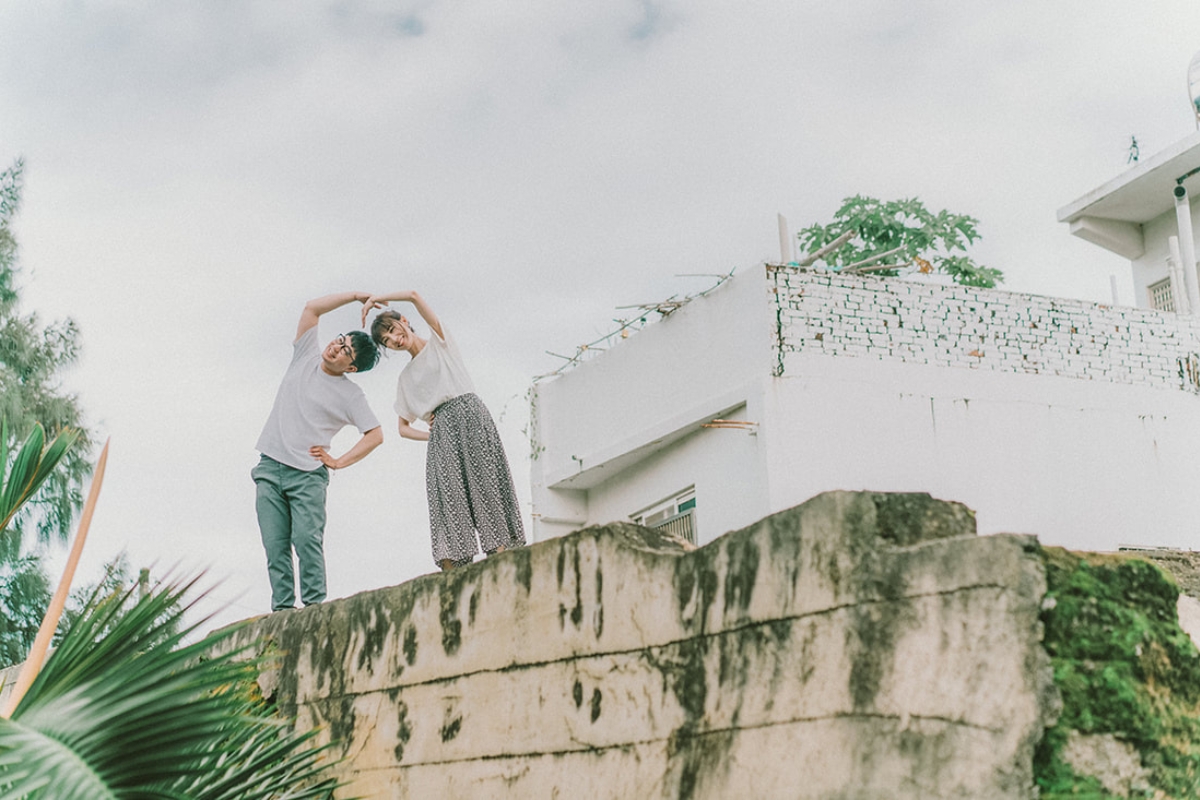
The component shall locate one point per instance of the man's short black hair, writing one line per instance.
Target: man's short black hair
(366, 354)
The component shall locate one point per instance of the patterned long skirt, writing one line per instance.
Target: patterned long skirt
(469, 484)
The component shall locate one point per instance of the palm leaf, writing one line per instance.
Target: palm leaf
(17, 485)
(126, 708)
(54, 453)
(41, 642)
(3, 444)
(31, 468)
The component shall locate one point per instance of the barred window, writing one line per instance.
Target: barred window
(1161, 296)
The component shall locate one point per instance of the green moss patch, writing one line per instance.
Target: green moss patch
(1124, 667)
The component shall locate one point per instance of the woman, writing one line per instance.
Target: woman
(467, 478)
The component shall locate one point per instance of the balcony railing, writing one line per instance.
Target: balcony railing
(682, 525)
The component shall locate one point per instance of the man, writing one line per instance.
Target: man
(314, 402)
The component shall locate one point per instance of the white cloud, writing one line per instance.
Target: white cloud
(196, 171)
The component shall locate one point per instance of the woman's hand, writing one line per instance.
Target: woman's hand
(322, 455)
(370, 304)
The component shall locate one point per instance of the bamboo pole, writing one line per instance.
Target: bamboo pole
(873, 259)
(37, 653)
(811, 258)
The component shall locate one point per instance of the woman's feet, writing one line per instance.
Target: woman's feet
(448, 564)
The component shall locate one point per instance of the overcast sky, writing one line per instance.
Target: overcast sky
(196, 171)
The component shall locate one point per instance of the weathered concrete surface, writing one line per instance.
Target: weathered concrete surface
(1114, 763)
(857, 646)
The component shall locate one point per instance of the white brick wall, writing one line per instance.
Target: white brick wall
(891, 319)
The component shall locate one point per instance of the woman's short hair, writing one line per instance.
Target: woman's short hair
(384, 321)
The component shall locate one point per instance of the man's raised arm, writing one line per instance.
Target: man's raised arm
(313, 309)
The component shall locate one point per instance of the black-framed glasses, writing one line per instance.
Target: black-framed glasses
(344, 346)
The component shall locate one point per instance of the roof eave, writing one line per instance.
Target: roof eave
(1142, 192)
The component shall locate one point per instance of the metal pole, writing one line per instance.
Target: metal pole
(1187, 247)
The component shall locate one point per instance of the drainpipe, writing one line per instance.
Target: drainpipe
(1187, 246)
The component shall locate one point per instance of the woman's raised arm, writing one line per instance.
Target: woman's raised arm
(406, 296)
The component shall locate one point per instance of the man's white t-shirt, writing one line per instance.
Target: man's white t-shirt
(311, 406)
(435, 375)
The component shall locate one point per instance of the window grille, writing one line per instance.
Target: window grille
(681, 525)
(676, 515)
(1161, 296)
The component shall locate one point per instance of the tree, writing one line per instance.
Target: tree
(24, 595)
(117, 580)
(32, 357)
(886, 236)
(24, 588)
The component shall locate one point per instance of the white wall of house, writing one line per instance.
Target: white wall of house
(725, 466)
(1080, 464)
(1151, 266)
(648, 394)
(1074, 421)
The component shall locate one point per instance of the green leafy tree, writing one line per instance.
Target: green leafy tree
(24, 587)
(31, 400)
(898, 233)
(116, 580)
(32, 357)
(24, 595)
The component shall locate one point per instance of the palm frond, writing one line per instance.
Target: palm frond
(17, 485)
(127, 707)
(30, 469)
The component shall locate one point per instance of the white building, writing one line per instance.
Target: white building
(1138, 213)
(1075, 421)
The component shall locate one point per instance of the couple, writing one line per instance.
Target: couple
(467, 477)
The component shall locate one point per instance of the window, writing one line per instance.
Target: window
(675, 515)
(1162, 298)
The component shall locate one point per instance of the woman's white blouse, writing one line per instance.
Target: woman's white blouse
(435, 375)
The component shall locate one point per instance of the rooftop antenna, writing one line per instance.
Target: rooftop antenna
(1194, 87)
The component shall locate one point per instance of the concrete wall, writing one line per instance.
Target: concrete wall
(1070, 420)
(861, 645)
(657, 388)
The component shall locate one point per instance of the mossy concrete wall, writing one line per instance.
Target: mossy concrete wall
(857, 646)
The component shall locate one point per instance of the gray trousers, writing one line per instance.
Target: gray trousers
(291, 514)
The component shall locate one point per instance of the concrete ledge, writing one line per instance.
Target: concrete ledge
(858, 645)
